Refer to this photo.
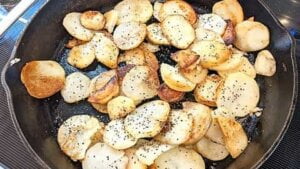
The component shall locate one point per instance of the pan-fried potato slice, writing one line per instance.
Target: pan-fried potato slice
(122, 71)
(179, 158)
(111, 19)
(74, 42)
(205, 34)
(72, 24)
(229, 34)
(265, 63)
(81, 56)
(76, 87)
(147, 120)
(102, 108)
(178, 31)
(214, 132)
(77, 133)
(119, 107)
(129, 35)
(222, 112)
(134, 162)
(92, 20)
(116, 136)
(212, 53)
(155, 34)
(150, 47)
(212, 22)
(229, 9)
(151, 60)
(235, 137)
(167, 94)
(210, 150)
(177, 129)
(251, 36)
(156, 9)
(235, 60)
(106, 50)
(201, 120)
(172, 77)
(101, 156)
(196, 75)
(178, 7)
(206, 92)
(239, 94)
(245, 67)
(140, 83)
(185, 58)
(134, 56)
(149, 151)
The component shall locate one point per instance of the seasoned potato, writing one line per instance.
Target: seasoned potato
(167, 94)
(212, 22)
(150, 47)
(133, 161)
(119, 107)
(81, 56)
(214, 132)
(156, 9)
(222, 112)
(111, 19)
(229, 9)
(102, 108)
(76, 87)
(178, 31)
(239, 94)
(206, 92)
(235, 60)
(196, 75)
(235, 137)
(155, 34)
(72, 24)
(74, 42)
(147, 120)
(77, 133)
(122, 71)
(201, 120)
(212, 53)
(265, 63)
(134, 56)
(179, 158)
(251, 36)
(92, 20)
(177, 129)
(205, 34)
(106, 50)
(101, 156)
(185, 58)
(211, 150)
(129, 35)
(229, 34)
(151, 60)
(43, 78)
(172, 77)
(177, 7)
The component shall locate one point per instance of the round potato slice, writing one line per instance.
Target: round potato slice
(205, 34)
(102, 108)
(92, 20)
(155, 34)
(229, 9)
(81, 56)
(129, 35)
(119, 107)
(210, 150)
(212, 22)
(133, 161)
(196, 75)
(245, 67)
(167, 94)
(179, 158)
(185, 58)
(111, 19)
(150, 47)
(214, 132)
(239, 94)
(235, 60)
(178, 31)
(265, 63)
(134, 56)
(77, 133)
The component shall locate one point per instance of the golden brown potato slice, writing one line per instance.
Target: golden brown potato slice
(74, 42)
(196, 75)
(92, 20)
(155, 34)
(134, 56)
(211, 150)
(229, 9)
(151, 60)
(235, 60)
(212, 22)
(214, 132)
(81, 56)
(167, 94)
(229, 34)
(122, 71)
(111, 19)
(265, 63)
(133, 161)
(185, 58)
(205, 34)
(119, 107)
(102, 108)
(150, 47)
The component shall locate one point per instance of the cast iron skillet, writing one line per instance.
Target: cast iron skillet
(37, 120)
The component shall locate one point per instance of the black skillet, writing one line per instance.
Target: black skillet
(37, 120)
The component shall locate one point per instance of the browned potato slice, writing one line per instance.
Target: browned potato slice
(265, 63)
(167, 94)
(134, 162)
(81, 56)
(229, 9)
(211, 150)
(150, 47)
(235, 137)
(134, 56)
(222, 112)
(74, 42)
(155, 34)
(206, 92)
(235, 60)
(212, 22)
(119, 107)
(92, 20)
(43, 78)
(196, 75)
(214, 132)
(185, 58)
(111, 19)
(229, 34)
(151, 60)
(102, 108)
(122, 71)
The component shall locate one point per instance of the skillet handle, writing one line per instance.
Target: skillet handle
(14, 14)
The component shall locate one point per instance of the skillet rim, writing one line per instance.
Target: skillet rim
(256, 165)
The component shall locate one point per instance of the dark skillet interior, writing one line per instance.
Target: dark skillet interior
(45, 38)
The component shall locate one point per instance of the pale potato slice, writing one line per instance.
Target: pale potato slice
(265, 63)
(201, 120)
(235, 137)
(178, 31)
(140, 83)
(77, 133)
(149, 151)
(129, 35)
(147, 120)
(172, 77)
(212, 53)
(212, 22)
(155, 34)
(185, 58)
(156, 9)
(222, 112)
(116, 136)
(102, 108)
(179, 158)
(72, 24)
(150, 47)
(214, 132)
(101, 156)
(133, 161)
(229, 9)
(177, 129)
(196, 75)
(92, 20)
(178, 7)
(106, 50)
(211, 150)
(167, 94)
(134, 56)
(235, 60)
(239, 94)
(111, 19)
(205, 34)
(206, 92)
(81, 56)
(76, 87)
(244, 67)
(119, 107)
